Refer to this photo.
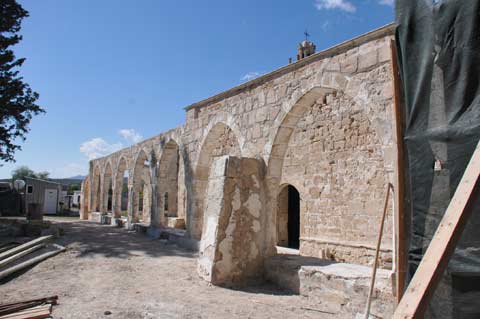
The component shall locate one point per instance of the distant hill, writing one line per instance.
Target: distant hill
(80, 177)
(67, 181)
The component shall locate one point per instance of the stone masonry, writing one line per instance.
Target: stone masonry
(323, 125)
(231, 250)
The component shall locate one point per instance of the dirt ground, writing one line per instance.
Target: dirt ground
(106, 269)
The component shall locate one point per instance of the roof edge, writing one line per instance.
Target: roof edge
(383, 31)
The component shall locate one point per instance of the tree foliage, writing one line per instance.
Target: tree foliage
(24, 171)
(17, 100)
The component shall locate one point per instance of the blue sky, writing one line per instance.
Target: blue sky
(112, 72)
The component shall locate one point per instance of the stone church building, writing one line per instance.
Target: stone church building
(298, 159)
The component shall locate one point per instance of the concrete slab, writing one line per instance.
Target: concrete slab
(337, 287)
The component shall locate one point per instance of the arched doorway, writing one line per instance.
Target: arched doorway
(121, 189)
(141, 189)
(168, 176)
(288, 219)
(96, 190)
(287, 122)
(108, 188)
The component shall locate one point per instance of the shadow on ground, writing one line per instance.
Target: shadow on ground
(89, 238)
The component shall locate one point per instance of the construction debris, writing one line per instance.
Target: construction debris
(20, 248)
(29, 309)
(18, 253)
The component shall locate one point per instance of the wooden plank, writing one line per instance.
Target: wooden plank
(20, 248)
(401, 260)
(5, 310)
(20, 255)
(442, 246)
(52, 300)
(40, 312)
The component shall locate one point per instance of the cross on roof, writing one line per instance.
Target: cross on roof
(306, 35)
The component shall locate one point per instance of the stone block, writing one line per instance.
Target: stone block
(367, 60)
(232, 246)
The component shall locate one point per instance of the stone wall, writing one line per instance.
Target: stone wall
(323, 124)
(232, 247)
(335, 159)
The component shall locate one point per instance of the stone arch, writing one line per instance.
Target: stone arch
(141, 187)
(325, 161)
(107, 199)
(220, 140)
(286, 123)
(96, 190)
(229, 121)
(168, 180)
(121, 187)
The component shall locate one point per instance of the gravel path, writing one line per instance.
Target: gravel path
(107, 269)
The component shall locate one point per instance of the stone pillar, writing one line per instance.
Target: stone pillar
(130, 207)
(232, 249)
(114, 205)
(85, 199)
(91, 202)
(101, 197)
(153, 191)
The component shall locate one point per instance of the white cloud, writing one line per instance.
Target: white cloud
(98, 147)
(250, 76)
(387, 2)
(130, 135)
(343, 5)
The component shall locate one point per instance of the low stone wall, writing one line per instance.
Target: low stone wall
(336, 288)
(342, 252)
(11, 228)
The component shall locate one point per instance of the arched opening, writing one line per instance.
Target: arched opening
(165, 202)
(121, 189)
(288, 218)
(168, 186)
(124, 194)
(280, 143)
(108, 188)
(220, 141)
(96, 194)
(141, 189)
(141, 198)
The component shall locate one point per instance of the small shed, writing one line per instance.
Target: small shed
(77, 198)
(45, 194)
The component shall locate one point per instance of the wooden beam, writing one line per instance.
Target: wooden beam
(7, 272)
(442, 246)
(40, 312)
(401, 260)
(25, 246)
(377, 252)
(52, 300)
(20, 255)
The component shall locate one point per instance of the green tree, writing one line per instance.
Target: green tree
(42, 175)
(22, 171)
(17, 100)
(72, 188)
